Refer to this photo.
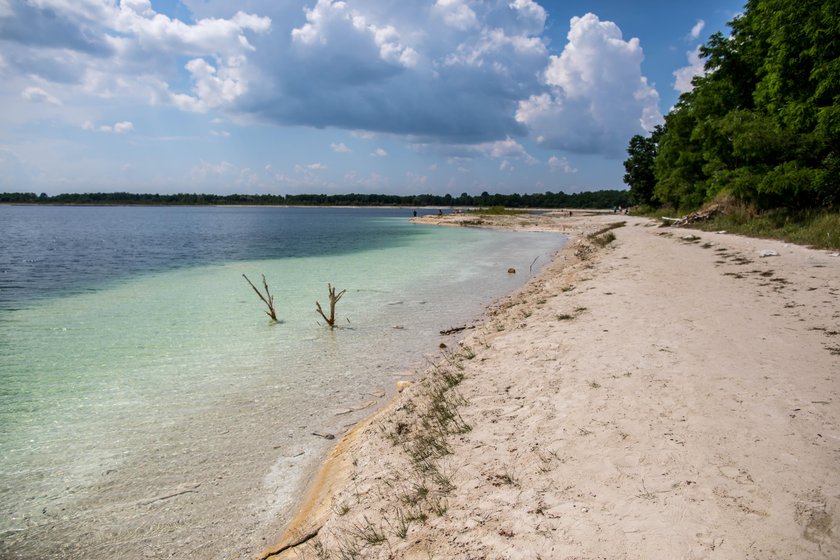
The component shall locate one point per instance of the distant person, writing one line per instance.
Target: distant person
(415, 213)
(440, 212)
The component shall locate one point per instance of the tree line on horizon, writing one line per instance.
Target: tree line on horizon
(589, 199)
(762, 126)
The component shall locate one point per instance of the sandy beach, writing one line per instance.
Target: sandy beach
(672, 394)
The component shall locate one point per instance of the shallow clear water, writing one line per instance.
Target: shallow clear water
(147, 404)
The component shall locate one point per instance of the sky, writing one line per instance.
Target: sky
(325, 96)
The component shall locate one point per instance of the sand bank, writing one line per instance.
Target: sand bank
(670, 395)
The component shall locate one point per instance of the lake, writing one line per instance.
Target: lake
(149, 407)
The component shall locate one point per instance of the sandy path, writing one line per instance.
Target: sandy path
(661, 398)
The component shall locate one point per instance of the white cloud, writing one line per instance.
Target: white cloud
(379, 152)
(530, 13)
(155, 31)
(205, 169)
(561, 164)
(220, 133)
(597, 95)
(310, 167)
(123, 127)
(340, 148)
(211, 89)
(6, 9)
(507, 148)
(684, 75)
(125, 50)
(694, 34)
(38, 95)
(399, 68)
(331, 21)
(456, 13)
(506, 167)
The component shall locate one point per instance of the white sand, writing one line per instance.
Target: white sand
(660, 398)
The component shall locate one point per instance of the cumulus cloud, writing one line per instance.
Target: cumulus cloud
(561, 164)
(211, 88)
(340, 148)
(507, 148)
(464, 78)
(401, 68)
(684, 75)
(127, 49)
(330, 19)
(597, 96)
(456, 13)
(694, 34)
(506, 167)
(458, 154)
(38, 95)
(379, 152)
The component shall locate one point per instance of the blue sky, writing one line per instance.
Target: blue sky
(326, 96)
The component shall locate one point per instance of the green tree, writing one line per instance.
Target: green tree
(639, 166)
(763, 124)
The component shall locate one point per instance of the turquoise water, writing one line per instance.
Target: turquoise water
(147, 412)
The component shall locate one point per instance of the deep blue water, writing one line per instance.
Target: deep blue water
(47, 251)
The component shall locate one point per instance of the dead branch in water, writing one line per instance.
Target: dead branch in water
(333, 300)
(268, 299)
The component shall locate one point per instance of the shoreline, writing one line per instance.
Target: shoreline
(670, 395)
(333, 475)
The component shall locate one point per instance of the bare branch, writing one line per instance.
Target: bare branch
(333, 300)
(268, 299)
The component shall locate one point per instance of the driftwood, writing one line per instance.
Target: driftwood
(333, 300)
(268, 299)
(694, 217)
(456, 329)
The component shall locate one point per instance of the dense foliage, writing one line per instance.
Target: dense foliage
(594, 199)
(763, 125)
(640, 165)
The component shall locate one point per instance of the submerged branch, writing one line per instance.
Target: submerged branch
(268, 299)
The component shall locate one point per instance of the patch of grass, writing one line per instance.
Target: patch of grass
(496, 211)
(399, 523)
(604, 239)
(818, 229)
(367, 532)
(320, 550)
(565, 317)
